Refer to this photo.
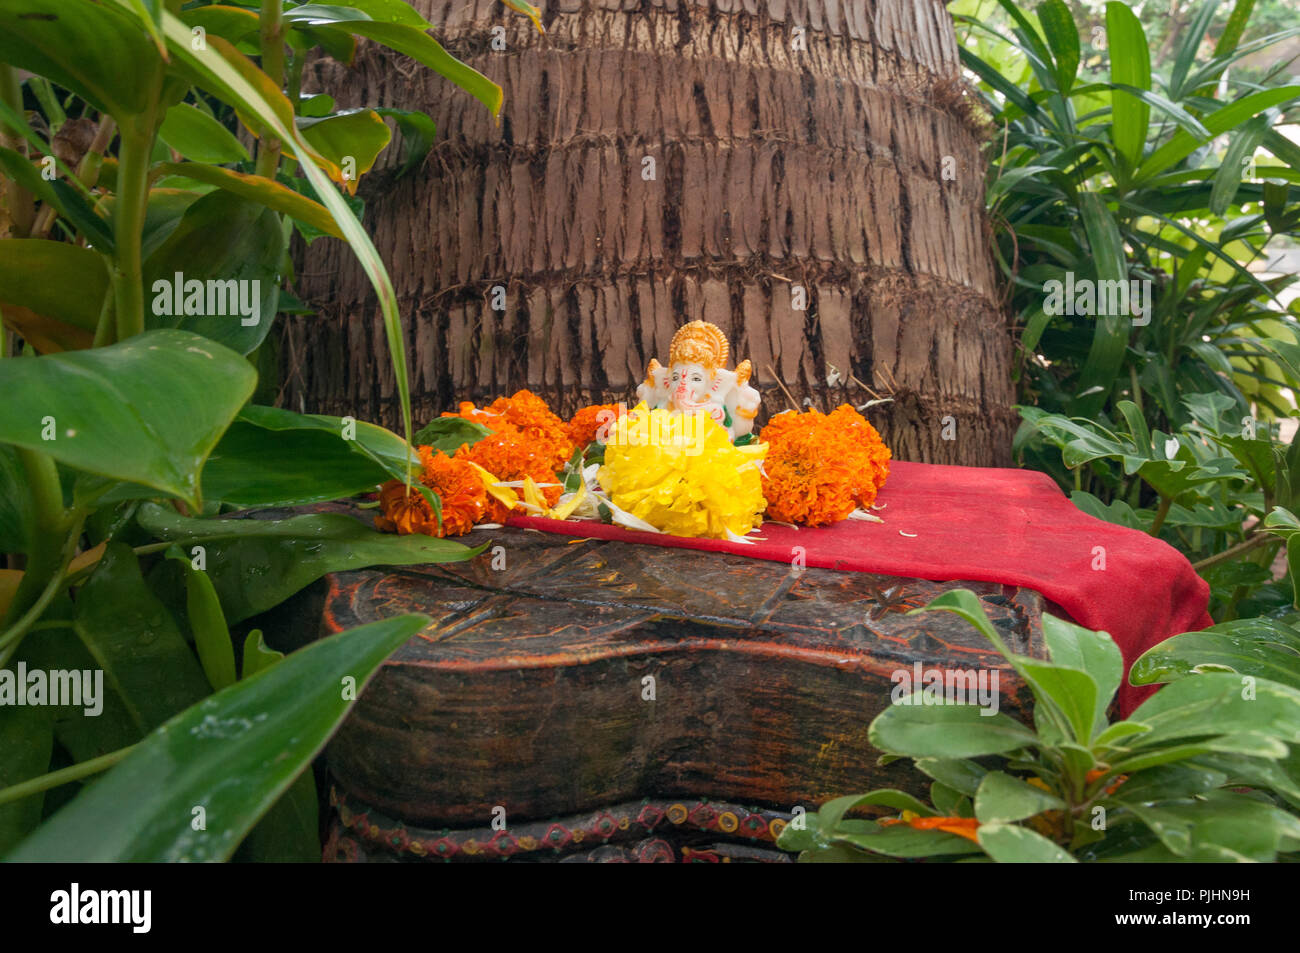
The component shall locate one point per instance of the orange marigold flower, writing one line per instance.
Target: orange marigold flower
(511, 455)
(528, 414)
(961, 826)
(460, 488)
(592, 423)
(820, 467)
(402, 513)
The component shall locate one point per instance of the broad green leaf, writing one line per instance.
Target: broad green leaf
(231, 23)
(960, 775)
(15, 505)
(1130, 63)
(134, 639)
(449, 433)
(256, 564)
(352, 140)
(51, 293)
(903, 841)
(1261, 647)
(253, 466)
(946, 731)
(1070, 690)
(218, 273)
(199, 137)
(148, 410)
(378, 443)
(1119, 731)
(832, 812)
(1218, 703)
(258, 188)
(1002, 797)
(233, 754)
(1012, 844)
(99, 51)
(1092, 652)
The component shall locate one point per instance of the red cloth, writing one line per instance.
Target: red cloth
(990, 525)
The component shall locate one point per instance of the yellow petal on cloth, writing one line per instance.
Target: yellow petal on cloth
(493, 486)
(564, 510)
(681, 474)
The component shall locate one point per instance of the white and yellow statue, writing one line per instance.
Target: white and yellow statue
(697, 378)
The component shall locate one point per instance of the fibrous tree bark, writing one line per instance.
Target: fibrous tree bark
(795, 171)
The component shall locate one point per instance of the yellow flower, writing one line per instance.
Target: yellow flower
(682, 475)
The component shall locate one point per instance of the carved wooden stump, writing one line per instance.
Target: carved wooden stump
(581, 674)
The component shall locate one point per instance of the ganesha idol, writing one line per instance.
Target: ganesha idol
(697, 378)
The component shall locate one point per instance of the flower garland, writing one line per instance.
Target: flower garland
(662, 471)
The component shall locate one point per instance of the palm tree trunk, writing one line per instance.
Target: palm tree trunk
(664, 160)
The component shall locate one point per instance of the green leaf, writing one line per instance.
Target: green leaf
(1241, 149)
(256, 564)
(832, 812)
(904, 841)
(67, 201)
(1003, 798)
(1074, 693)
(134, 639)
(449, 433)
(946, 731)
(964, 603)
(254, 466)
(211, 636)
(421, 47)
(218, 273)
(26, 744)
(1261, 647)
(51, 293)
(960, 775)
(15, 505)
(1092, 652)
(233, 754)
(256, 655)
(1111, 334)
(100, 52)
(1218, 703)
(418, 133)
(148, 410)
(197, 136)
(352, 140)
(1011, 844)
(1063, 39)
(1130, 63)
(1225, 118)
(257, 188)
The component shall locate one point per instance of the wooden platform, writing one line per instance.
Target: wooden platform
(581, 674)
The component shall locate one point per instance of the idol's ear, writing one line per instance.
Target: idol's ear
(743, 371)
(653, 368)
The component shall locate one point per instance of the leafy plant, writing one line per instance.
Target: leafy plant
(128, 432)
(1109, 176)
(1218, 489)
(1163, 785)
